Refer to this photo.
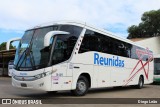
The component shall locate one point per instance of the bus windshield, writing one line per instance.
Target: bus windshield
(157, 66)
(31, 53)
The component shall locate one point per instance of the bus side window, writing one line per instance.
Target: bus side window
(103, 43)
(89, 42)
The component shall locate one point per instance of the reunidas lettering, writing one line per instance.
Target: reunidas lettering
(114, 61)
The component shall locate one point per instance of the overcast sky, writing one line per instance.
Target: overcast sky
(113, 15)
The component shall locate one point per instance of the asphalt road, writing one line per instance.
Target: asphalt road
(149, 91)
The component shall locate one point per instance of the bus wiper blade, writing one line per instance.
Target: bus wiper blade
(28, 53)
(20, 58)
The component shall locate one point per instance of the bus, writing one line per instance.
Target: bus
(157, 69)
(10, 67)
(71, 55)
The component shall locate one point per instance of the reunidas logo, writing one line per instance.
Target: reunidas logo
(114, 61)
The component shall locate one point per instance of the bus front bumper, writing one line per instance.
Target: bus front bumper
(39, 84)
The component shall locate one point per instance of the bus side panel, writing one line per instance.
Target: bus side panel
(81, 69)
(60, 80)
(118, 76)
(150, 73)
(102, 74)
(136, 69)
(109, 75)
(83, 63)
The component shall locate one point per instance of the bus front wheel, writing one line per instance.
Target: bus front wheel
(81, 86)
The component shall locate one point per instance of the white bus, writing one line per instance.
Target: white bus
(75, 56)
(10, 67)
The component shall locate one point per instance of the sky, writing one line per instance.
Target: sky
(113, 15)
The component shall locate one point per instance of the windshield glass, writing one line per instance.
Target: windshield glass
(157, 66)
(31, 53)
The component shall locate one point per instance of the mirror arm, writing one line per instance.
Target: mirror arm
(51, 34)
(10, 41)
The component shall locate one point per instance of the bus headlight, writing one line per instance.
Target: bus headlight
(38, 76)
(32, 78)
(43, 74)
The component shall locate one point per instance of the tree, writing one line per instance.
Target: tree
(149, 27)
(3, 46)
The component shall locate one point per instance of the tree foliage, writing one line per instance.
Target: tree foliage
(3, 46)
(149, 27)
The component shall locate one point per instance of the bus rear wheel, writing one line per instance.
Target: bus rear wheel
(82, 86)
(140, 82)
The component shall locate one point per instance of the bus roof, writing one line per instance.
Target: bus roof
(84, 24)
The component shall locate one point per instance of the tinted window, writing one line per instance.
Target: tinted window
(90, 42)
(64, 44)
(94, 41)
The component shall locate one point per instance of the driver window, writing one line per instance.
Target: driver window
(59, 53)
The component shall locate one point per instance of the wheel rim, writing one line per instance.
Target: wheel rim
(81, 87)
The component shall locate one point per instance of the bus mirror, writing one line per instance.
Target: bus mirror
(50, 34)
(10, 41)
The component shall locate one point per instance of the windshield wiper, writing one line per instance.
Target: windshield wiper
(20, 58)
(28, 53)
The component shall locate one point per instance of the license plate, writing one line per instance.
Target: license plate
(23, 85)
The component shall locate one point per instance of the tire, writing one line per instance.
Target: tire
(52, 92)
(140, 83)
(82, 87)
